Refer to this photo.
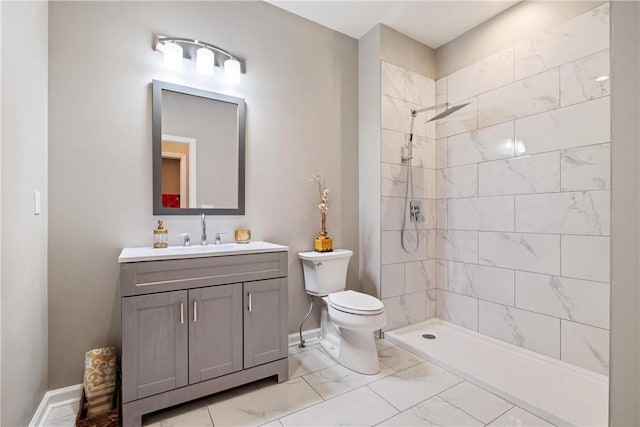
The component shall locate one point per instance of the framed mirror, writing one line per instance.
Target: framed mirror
(198, 151)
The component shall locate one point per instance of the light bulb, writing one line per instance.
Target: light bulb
(205, 60)
(173, 56)
(232, 71)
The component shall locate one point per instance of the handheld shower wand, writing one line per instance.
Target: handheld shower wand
(414, 207)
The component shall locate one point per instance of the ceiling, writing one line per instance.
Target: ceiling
(431, 22)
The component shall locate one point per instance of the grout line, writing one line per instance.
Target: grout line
(298, 410)
(563, 319)
(514, 157)
(459, 408)
(381, 397)
(486, 196)
(519, 270)
(513, 406)
(535, 233)
(440, 392)
(519, 117)
(210, 415)
(312, 388)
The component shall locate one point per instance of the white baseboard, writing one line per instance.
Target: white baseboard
(54, 399)
(308, 336)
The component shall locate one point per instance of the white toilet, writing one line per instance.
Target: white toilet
(348, 318)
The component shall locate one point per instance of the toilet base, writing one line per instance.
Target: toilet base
(353, 349)
(356, 352)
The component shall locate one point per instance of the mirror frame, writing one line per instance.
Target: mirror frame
(157, 88)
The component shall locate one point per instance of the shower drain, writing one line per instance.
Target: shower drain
(429, 336)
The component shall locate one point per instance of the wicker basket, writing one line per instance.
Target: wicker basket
(107, 419)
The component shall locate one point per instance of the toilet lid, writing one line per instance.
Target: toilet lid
(355, 302)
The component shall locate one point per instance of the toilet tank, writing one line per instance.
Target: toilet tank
(325, 272)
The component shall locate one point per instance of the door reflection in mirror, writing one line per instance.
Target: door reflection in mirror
(178, 172)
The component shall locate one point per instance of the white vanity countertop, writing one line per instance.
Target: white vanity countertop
(197, 251)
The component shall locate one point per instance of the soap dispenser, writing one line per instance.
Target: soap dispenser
(160, 236)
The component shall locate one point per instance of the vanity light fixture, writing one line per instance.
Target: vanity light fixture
(206, 56)
(232, 71)
(205, 61)
(173, 56)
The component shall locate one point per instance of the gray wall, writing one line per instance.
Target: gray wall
(625, 250)
(24, 237)
(301, 94)
(406, 52)
(514, 24)
(369, 159)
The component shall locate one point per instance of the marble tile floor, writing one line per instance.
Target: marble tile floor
(408, 391)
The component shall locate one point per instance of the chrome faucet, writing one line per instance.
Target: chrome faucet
(203, 240)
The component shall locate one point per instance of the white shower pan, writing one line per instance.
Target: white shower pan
(557, 391)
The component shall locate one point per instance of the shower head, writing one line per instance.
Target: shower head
(447, 112)
(414, 113)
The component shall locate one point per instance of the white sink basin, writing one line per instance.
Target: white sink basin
(200, 248)
(197, 251)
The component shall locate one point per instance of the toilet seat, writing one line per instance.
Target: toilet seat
(356, 303)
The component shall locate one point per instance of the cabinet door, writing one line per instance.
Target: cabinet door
(265, 321)
(215, 331)
(154, 344)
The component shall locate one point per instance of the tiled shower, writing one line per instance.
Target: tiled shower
(514, 242)
(408, 279)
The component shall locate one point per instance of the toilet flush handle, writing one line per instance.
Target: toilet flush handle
(317, 265)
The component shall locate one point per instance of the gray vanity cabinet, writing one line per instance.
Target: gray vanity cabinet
(155, 336)
(215, 331)
(197, 326)
(265, 334)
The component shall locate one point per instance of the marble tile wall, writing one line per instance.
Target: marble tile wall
(522, 187)
(408, 278)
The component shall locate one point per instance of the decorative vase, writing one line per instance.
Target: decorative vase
(323, 243)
